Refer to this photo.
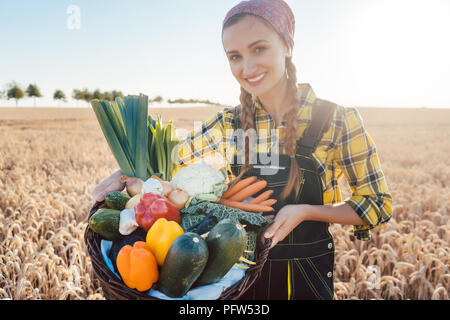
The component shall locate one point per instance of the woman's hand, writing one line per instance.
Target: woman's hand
(286, 220)
(112, 183)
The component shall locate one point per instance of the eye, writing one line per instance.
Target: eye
(260, 49)
(234, 57)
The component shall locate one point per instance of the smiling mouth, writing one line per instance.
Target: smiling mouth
(257, 79)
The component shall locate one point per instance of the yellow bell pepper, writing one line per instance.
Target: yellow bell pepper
(160, 237)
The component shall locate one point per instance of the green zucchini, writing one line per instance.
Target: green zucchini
(116, 200)
(226, 243)
(105, 222)
(185, 261)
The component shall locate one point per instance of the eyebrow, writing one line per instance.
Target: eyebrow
(251, 45)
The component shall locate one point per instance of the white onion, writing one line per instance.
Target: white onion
(167, 187)
(179, 198)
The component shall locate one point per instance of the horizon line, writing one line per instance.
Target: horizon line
(192, 105)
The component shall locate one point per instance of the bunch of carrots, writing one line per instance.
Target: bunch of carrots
(245, 188)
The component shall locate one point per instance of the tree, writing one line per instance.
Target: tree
(181, 100)
(87, 95)
(98, 95)
(77, 95)
(34, 92)
(84, 94)
(107, 95)
(59, 95)
(112, 95)
(116, 94)
(15, 92)
(158, 99)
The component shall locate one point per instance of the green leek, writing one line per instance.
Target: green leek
(124, 125)
(142, 146)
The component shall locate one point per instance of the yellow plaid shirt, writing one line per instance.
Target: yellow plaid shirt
(346, 149)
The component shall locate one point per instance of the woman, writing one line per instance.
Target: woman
(314, 143)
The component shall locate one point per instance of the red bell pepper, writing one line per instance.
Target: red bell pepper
(163, 208)
(152, 207)
(148, 198)
(143, 217)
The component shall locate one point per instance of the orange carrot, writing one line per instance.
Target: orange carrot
(262, 197)
(269, 202)
(249, 191)
(249, 207)
(238, 187)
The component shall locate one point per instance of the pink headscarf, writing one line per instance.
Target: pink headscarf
(276, 12)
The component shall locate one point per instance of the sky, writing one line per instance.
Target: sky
(385, 53)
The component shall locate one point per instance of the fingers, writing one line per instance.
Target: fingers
(99, 193)
(101, 196)
(112, 183)
(272, 232)
(278, 230)
(272, 229)
(281, 233)
(286, 220)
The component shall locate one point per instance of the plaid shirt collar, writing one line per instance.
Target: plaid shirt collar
(307, 97)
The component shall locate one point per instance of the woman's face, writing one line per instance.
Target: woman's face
(257, 55)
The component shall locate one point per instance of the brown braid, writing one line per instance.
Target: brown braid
(247, 123)
(290, 136)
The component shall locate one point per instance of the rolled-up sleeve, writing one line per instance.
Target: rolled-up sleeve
(357, 158)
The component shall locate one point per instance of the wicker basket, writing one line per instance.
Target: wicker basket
(115, 289)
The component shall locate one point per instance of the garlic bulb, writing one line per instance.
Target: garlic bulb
(127, 222)
(153, 186)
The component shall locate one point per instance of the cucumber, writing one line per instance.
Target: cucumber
(116, 200)
(226, 243)
(185, 261)
(105, 222)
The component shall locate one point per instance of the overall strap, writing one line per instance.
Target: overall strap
(322, 113)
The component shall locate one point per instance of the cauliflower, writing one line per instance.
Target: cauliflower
(200, 178)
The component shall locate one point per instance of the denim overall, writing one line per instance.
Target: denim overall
(301, 266)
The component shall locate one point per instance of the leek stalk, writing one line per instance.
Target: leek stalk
(124, 125)
(142, 146)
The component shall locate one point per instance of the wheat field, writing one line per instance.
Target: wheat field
(51, 159)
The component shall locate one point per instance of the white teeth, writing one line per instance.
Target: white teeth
(257, 79)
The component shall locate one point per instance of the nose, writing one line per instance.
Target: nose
(249, 68)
